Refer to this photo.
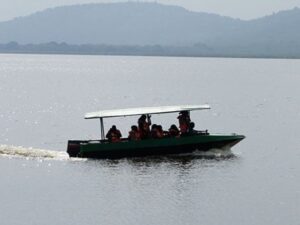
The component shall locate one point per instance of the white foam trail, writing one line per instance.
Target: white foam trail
(215, 153)
(35, 153)
(19, 151)
(224, 152)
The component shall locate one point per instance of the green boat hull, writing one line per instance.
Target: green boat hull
(164, 146)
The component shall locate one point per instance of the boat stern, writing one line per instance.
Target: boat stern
(73, 148)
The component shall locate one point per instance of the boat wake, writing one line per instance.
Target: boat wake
(31, 153)
(214, 153)
(35, 153)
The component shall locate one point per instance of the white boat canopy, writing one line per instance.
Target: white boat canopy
(143, 110)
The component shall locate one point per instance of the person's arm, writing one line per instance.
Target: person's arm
(149, 119)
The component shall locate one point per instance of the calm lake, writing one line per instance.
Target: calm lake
(43, 101)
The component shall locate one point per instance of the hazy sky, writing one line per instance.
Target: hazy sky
(244, 9)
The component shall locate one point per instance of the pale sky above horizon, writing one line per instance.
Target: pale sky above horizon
(234, 8)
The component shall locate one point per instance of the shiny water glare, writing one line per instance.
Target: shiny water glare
(43, 101)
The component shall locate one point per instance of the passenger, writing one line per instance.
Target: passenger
(134, 134)
(157, 131)
(144, 123)
(173, 131)
(191, 128)
(160, 132)
(114, 135)
(184, 121)
(154, 131)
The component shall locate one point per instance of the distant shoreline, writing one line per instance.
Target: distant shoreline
(150, 29)
(153, 55)
(54, 48)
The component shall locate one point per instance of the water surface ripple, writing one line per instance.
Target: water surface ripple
(43, 101)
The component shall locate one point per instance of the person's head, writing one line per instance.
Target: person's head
(143, 117)
(159, 127)
(134, 128)
(184, 113)
(154, 126)
(173, 127)
(192, 125)
(113, 127)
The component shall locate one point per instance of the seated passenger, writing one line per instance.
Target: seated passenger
(134, 134)
(160, 132)
(184, 121)
(173, 131)
(157, 131)
(191, 128)
(114, 135)
(154, 131)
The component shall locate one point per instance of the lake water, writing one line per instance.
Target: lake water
(43, 101)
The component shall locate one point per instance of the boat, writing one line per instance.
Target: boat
(188, 143)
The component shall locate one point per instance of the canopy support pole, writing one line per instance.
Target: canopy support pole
(102, 128)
